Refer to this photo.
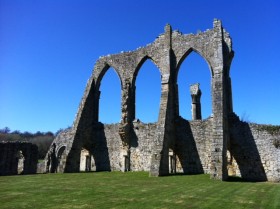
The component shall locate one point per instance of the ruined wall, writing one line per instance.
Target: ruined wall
(18, 158)
(219, 145)
(167, 52)
(55, 160)
(142, 146)
(142, 142)
(255, 148)
(193, 146)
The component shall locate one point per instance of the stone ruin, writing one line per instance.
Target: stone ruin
(221, 145)
(18, 158)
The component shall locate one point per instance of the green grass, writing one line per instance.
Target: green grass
(133, 190)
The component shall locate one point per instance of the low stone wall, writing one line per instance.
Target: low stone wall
(18, 158)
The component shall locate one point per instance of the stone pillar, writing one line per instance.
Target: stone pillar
(220, 133)
(128, 103)
(165, 125)
(127, 110)
(196, 106)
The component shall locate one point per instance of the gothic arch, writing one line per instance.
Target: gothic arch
(103, 71)
(184, 57)
(155, 85)
(140, 64)
(113, 104)
(190, 78)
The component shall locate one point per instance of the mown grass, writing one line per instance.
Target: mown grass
(133, 190)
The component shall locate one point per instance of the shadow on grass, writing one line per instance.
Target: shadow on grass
(240, 179)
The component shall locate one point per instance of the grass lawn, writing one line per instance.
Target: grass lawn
(133, 190)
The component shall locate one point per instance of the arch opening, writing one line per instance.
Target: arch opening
(60, 157)
(148, 92)
(193, 70)
(20, 162)
(232, 166)
(110, 97)
(87, 162)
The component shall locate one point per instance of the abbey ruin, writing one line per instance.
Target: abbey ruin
(220, 145)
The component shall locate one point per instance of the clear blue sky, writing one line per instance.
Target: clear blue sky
(48, 49)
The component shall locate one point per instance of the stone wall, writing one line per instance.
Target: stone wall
(254, 149)
(18, 158)
(142, 142)
(193, 146)
(55, 160)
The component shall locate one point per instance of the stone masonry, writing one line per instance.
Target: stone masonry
(18, 158)
(196, 106)
(219, 145)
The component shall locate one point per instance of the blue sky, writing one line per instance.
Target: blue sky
(48, 50)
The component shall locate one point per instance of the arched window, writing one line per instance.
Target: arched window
(110, 98)
(194, 69)
(148, 92)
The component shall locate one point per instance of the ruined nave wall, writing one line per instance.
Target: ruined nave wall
(192, 147)
(142, 142)
(255, 150)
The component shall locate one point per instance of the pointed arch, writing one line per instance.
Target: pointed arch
(139, 66)
(190, 70)
(110, 85)
(102, 72)
(147, 81)
(184, 57)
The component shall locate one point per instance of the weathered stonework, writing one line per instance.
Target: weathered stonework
(18, 158)
(254, 152)
(216, 145)
(196, 106)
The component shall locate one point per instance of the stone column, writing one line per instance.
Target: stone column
(126, 125)
(196, 106)
(165, 125)
(220, 134)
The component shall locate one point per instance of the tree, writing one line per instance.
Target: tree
(16, 132)
(5, 130)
